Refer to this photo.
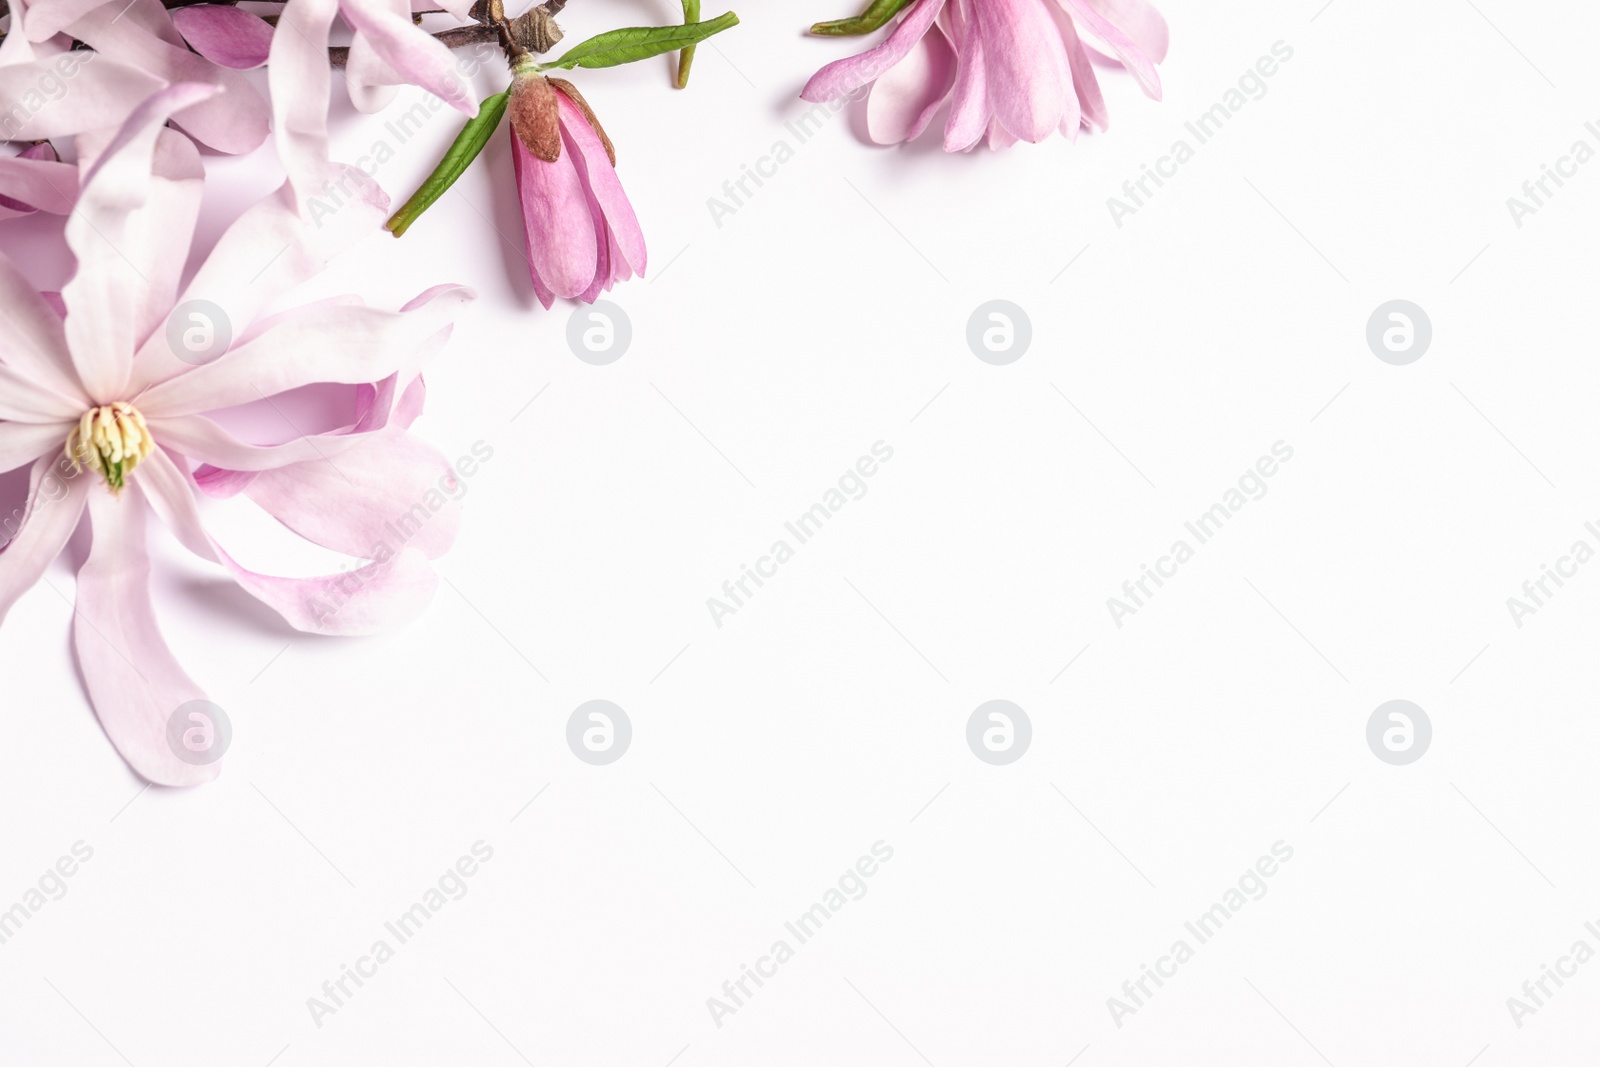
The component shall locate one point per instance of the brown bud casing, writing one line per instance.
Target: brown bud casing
(571, 93)
(534, 116)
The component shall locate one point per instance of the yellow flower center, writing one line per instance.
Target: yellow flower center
(112, 440)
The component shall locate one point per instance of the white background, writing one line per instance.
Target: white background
(768, 354)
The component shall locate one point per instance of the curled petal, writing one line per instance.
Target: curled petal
(393, 589)
(369, 599)
(416, 55)
(846, 77)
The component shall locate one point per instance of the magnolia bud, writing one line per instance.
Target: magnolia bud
(534, 113)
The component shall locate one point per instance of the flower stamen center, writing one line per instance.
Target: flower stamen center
(111, 439)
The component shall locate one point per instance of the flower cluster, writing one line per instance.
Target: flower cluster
(124, 397)
(1009, 70)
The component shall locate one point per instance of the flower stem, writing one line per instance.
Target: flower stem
(691, 13)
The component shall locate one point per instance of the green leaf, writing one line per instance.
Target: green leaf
(638, 42)
(691, 14)
(876, 14)
(467, 145)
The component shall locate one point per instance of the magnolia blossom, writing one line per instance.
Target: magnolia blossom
(116, 416)
(1010, 69)
(582, 236)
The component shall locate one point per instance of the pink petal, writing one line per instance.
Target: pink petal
(34, 180)
(601, 181)
(905, 97)
(266, 252)
(1137, 62)
(96, 92)
(393, 590)
(323, 343)
(105, 298)
(562, 250)
(228, 36)
(1091, 103)
(298, 79)
(46, 18)
(36, 340)
(613, 266)
(202, 440)
(24, 400)
(969, 107)
(234, 122)
(171, 495)
(846, 77)
(23, 442)
(1029, 81)
(161, 232)
(415, 54)
(372, 83)
(390, 488)
(54, 504)
(1140, 20)
(133, 680)
(376, 597)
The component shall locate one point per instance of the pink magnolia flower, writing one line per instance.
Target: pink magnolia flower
(582, 236)
(1010, 69)
(116, 422)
